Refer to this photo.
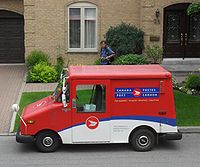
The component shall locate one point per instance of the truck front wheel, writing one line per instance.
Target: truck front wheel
(47, 141)
(142, 140)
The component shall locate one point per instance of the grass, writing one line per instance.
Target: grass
(187, 106)
(83, 97)
(187, 109)
(27, 98)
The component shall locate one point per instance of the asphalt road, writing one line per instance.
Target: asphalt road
(184, 153)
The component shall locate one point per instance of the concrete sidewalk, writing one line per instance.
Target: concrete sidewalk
(39, 87)
(11, 79)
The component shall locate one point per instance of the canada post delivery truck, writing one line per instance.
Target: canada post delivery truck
(103, 104)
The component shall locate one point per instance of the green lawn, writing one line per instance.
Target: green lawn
(27, 98)
(187, 106)
(84, 96)
(187, 109)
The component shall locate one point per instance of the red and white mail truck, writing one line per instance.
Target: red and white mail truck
(103, 104)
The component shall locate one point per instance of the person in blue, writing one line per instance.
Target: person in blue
(106, 53)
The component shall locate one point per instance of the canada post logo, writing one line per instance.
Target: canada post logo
(137, 92)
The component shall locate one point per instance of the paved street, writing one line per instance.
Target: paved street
(184, 153)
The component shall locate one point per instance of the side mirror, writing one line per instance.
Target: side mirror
(15, 108)
(64, 100)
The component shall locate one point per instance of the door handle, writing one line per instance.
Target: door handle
(186, 38)
(181, 39)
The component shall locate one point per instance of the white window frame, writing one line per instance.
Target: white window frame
(82, 6)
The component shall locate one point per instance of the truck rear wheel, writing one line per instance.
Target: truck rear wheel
(142, 140)
(47, 141)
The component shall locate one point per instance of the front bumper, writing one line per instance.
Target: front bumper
(173, 136)
(24, 138)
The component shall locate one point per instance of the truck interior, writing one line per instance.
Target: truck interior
(90, 98)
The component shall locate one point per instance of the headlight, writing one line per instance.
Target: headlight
(15, 108)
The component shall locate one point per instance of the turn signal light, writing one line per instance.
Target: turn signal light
(30, 122)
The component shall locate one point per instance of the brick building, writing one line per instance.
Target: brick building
(73, 28)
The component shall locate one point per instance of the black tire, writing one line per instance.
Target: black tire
(142, 140)
(47, 141)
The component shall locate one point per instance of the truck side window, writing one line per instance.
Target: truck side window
(91, 98)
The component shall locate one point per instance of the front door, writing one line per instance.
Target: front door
(181, 32)
(90, 117)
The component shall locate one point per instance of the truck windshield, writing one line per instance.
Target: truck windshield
(58, 89)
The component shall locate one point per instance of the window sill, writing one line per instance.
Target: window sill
(82, 51)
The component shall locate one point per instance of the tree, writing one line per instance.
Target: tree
(125, 39)
(193, 8)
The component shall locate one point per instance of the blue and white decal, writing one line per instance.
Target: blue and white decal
(137, 92)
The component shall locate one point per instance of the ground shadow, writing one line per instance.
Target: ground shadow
(163, 145)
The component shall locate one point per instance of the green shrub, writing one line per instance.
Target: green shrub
(193, 8)
(179, 86)
(175, 84)
(97, 62)
(154, 53)
(193, 83)
(36, 57)
(125, 39)
(59, 66)
(43, 73)
(28, 77)
(130, 59)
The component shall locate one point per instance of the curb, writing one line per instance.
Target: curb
(13, 64)
(189, 129)
(12, 123)
(7, 134)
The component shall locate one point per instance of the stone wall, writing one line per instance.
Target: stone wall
(12, 5)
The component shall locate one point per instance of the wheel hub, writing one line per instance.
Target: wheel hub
(143, 141)
(47, 141)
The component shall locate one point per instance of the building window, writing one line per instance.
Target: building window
(82, 27)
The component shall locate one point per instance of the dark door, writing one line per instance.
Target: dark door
(181, 33)
(11, 37)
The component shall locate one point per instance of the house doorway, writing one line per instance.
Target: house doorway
(181, 32)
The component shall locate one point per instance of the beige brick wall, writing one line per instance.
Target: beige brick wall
(46, 23)
(12, 5)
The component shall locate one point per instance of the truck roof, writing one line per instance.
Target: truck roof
(118, 71)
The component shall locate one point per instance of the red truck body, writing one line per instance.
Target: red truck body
(122, 100)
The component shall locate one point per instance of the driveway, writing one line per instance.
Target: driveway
(11, 79)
